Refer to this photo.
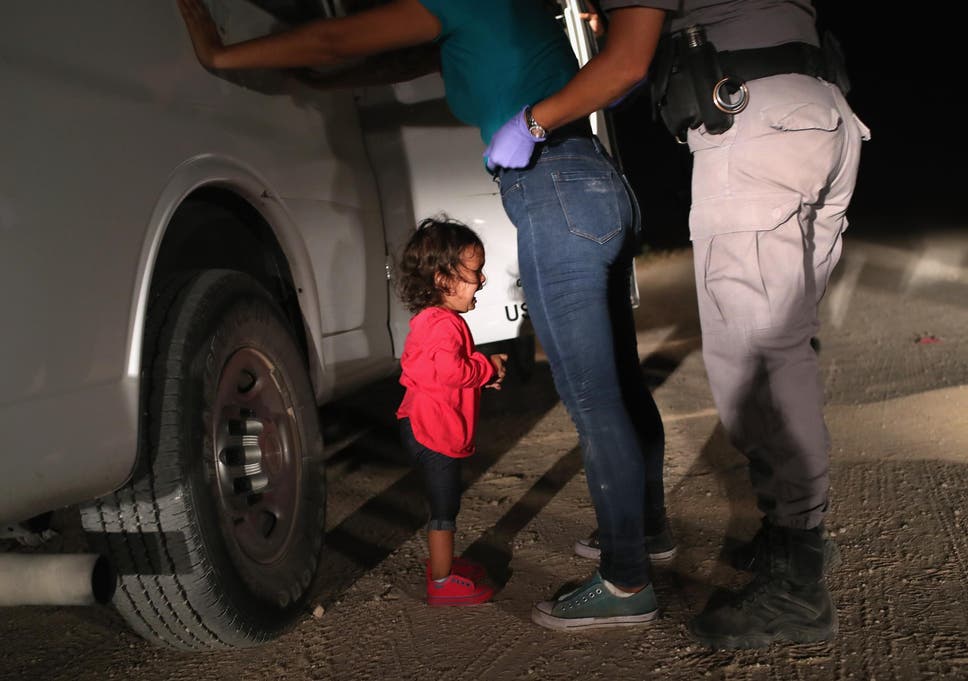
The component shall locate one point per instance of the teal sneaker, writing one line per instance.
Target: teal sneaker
(593, 606)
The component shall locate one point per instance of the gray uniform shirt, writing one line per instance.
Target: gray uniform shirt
(737, 24)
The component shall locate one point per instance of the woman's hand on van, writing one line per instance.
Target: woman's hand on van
(202, 30)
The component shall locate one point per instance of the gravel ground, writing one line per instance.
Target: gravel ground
(895, 358)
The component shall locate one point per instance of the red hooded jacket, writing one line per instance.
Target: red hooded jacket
(443, 375)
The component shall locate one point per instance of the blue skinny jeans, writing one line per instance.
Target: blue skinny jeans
(577, 223)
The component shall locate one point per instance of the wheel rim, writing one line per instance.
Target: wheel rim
(257, 457)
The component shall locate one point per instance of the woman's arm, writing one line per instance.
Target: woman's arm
(633, 34)
(380, 69)
(400, 23)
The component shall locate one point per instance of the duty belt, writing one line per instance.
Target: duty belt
(760, 62)
(694, 84)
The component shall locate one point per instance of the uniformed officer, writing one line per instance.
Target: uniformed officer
(776, 150)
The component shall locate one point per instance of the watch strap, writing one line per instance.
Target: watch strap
(537, 130)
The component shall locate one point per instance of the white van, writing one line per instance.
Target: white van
(189, 265)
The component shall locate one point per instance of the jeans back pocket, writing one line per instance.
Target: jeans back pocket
(590, 203)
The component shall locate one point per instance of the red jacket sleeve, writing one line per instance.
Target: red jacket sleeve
(454, 365)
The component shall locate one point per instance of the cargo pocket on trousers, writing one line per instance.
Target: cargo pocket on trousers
(746, 213)
(589, 201)
(739, 256)
(806, 116)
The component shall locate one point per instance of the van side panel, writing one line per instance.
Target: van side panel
(100, 115)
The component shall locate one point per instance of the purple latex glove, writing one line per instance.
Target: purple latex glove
(512, 145)
(631, 92)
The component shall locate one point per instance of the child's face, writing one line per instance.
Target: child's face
(458, 292)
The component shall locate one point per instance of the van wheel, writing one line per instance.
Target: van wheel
(217, 537)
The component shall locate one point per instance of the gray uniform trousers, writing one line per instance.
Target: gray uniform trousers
(770, 197)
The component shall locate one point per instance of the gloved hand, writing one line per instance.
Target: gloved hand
(512, 145)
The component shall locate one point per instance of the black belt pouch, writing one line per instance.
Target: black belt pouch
(684, 74)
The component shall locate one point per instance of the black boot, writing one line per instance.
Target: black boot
(786, 601)
(743, 557)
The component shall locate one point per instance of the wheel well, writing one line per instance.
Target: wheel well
(216, 228)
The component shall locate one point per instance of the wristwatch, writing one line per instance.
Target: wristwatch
(534, 127)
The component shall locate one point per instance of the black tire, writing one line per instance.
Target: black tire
(217, 537)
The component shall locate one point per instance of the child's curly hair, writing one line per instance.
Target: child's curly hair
(435, 247)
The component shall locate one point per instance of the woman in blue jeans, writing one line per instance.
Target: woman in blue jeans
(577, 223)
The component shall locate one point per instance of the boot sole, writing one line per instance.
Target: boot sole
(585, 551)
(793, 635)
(549, 621)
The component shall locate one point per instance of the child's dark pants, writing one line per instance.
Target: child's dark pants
(441, 480)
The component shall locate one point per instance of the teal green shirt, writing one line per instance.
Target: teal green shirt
(498, 56)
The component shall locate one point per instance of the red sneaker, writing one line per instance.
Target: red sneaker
(463, 568)
(457, 590)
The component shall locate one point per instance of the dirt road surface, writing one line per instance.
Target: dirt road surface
(895, 359)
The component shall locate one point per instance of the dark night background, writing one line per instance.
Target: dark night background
(903, 85)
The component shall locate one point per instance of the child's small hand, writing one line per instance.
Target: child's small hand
(498, 361)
